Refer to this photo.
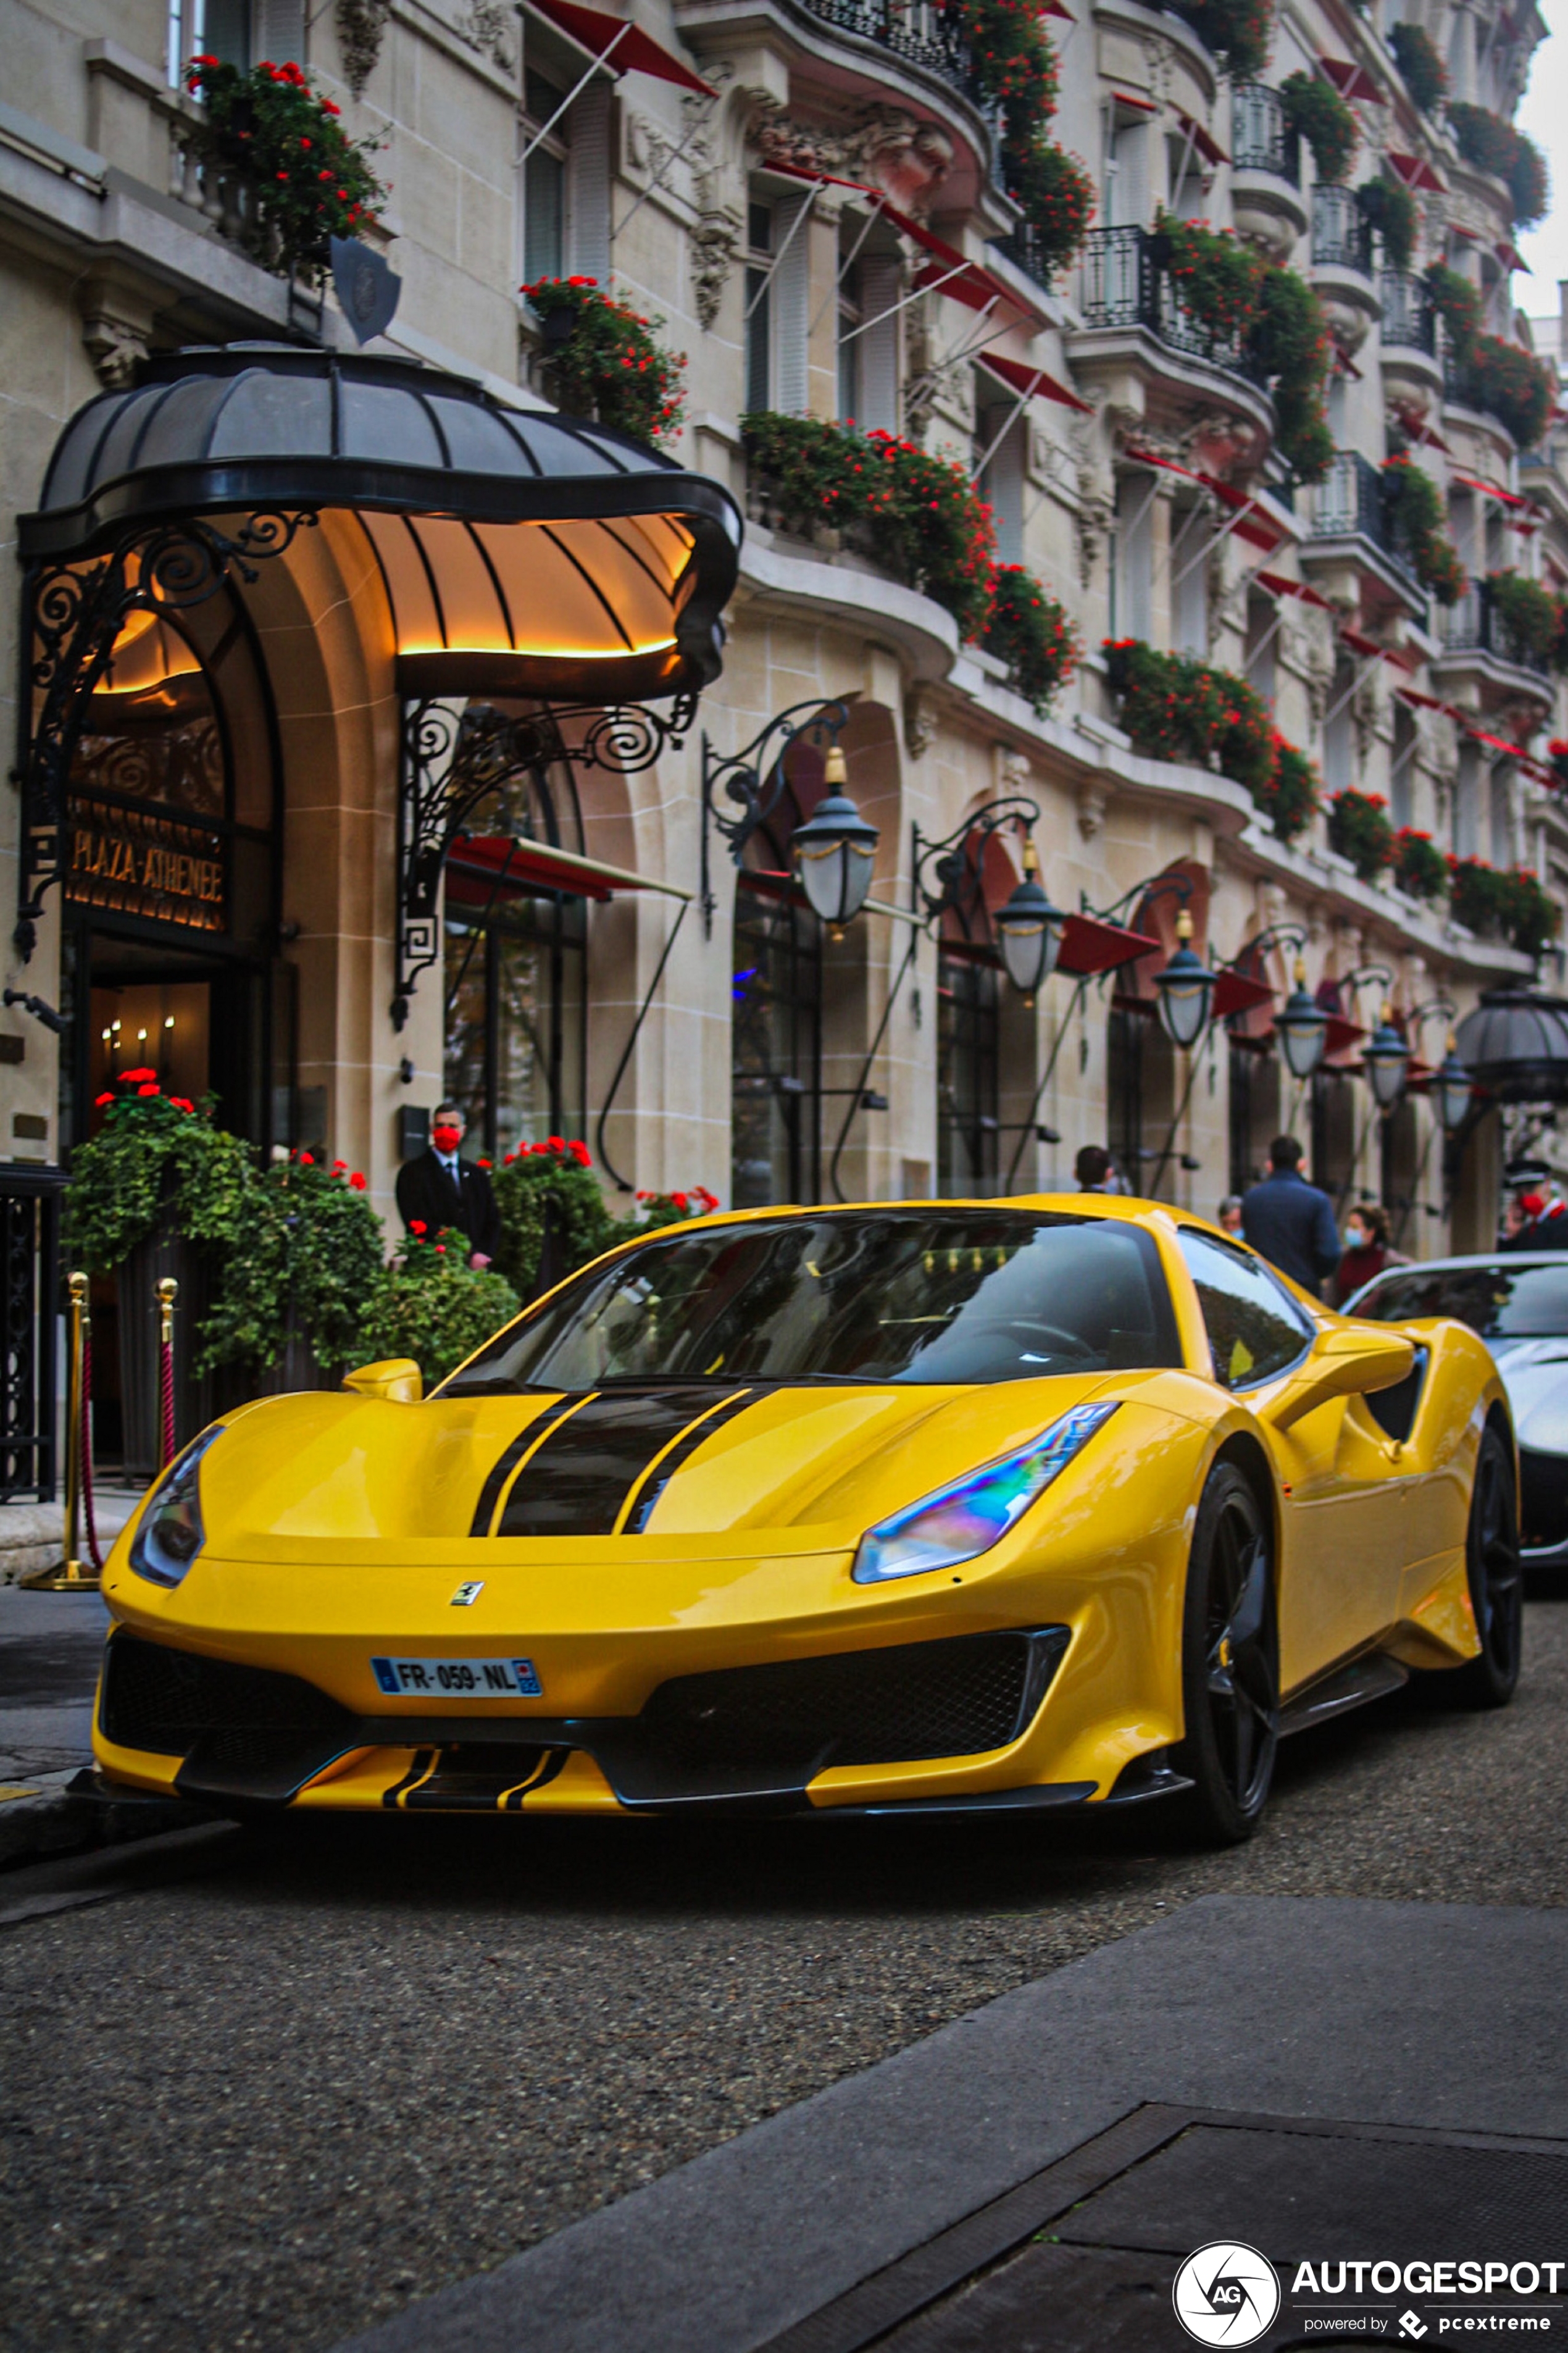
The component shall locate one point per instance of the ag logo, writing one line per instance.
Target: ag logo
(1226, 2295)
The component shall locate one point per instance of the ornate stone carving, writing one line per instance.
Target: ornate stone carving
(1093, 801)
(883, 146)
(115, 344)
(919, 722)
(487, 27)
(360, 24)
(713, 241)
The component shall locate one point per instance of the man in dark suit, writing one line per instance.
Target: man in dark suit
(1289, 1221)
(441, 1188)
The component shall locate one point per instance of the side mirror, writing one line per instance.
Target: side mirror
(399, 1380)
(1355, 1361)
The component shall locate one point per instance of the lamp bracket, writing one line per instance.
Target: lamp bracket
(453, 760)
(755, 780)
(955, 861)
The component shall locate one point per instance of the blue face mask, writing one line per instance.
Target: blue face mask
(1354, 1240)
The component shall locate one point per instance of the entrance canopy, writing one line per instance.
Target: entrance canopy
(524, 553)
(1515, 1045)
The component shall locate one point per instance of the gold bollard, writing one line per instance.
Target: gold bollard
(70, 1574)
(168, 1292)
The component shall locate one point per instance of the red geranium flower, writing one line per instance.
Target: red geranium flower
(357, 1181)
(134, 1078)
(416, 1225)
(147, 1091)
(181, 1102)
(98, 1101)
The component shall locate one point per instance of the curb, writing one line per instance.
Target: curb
(64, 1813)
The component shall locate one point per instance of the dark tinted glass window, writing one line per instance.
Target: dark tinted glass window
(1500, 1303)
(1255, 1328)
(880, 1296)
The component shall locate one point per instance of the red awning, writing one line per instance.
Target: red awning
(1054, 9)
(1237, 992)
(1490, 490)
(966, 281)
(1353, 80)
(1090, 945)
(1139, 105)
(1024, 378)
(1412, 695)
(1417, 172)
(1497, 743)
(484, 863)
(1207, 146)
(635, 51)
(1511, 259)
(1278, 586)
(1252, 525)
(1369, 647)
(1340, 1035)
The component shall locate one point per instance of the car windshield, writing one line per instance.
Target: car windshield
(886, 1295)
(1501, 1301)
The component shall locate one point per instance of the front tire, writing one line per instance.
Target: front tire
(1496, 1584)
(1230, 1664)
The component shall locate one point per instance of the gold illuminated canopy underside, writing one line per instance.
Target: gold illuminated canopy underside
(534, 607)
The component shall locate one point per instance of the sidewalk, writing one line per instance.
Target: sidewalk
(1188, 2072)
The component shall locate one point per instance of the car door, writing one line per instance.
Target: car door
(1344, 1540)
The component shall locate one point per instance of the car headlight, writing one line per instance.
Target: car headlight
(967, 1518)
(171, 1532)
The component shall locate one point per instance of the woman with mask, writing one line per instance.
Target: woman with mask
(1366, 1250)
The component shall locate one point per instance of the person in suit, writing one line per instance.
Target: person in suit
(439, 1188)
(1289, 1221)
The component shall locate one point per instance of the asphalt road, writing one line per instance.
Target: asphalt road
(263, 2108)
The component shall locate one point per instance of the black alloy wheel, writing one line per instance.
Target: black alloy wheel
(1496, 1583)
(1230, 1664)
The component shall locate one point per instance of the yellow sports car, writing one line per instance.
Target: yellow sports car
(915, 1507)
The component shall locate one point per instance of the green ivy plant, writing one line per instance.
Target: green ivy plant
(1235, 33)
(310, 1252)
(1422, 70)
(1420, 868)
(1359, 828)
(308, 180)
(1502, 378)
(1236, 295)
(433, 1306)
(1420, 523)
(1015, 67)
(1175, 707)
(1531, 613)
(605, 363)
(158, 1163)
(1313, 107)
(1289, 797)
(1030, 631)
(1490, 144)
(1390, 208)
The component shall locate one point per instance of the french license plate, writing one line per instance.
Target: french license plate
(458, 1678)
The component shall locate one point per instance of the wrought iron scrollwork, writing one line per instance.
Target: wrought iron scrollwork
(76, 612)
(755, 780)
(453, 760)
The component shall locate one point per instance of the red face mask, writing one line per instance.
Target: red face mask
(446, 1139)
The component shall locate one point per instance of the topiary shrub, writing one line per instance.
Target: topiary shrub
(1030, 631)
(1360, 830)
(1419, 866)
(433, 1306)
(1424, 74)
(526, 1180)
(1313, 107)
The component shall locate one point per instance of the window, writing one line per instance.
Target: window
(1003, 442)
(222, 28)
(1502, 814)
(1134, 551)
(1262, 636)
(1402, 768)
(1185, 168)
(1255, 1329)
(1339, 732)
(775, 1039)
(1468, 802)
(968, 1069)
(850, 318)
(1127, 173)
(544, 182)
(778, 290)
(1124, 1092)
(759, 306)
(1190, 581)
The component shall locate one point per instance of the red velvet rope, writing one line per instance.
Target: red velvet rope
(166, 1384)
(93, 1552)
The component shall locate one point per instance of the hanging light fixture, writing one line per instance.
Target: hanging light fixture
(1387, 1059)
(1029, 929)
(1452, 1085)
(1186, 989)
(1301, 1027)
(834, 851)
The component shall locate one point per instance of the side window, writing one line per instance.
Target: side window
(1255, 1328)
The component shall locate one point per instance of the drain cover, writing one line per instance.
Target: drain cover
(1082, 2258)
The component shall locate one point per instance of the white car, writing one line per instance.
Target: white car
(1517, 1302)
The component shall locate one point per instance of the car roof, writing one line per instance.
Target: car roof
(1498, 1258)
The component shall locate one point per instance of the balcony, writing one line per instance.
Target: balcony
(1351, 525)
(1409, 321)
(924, 34)
(1123, 287)
(1260, 138)
(1476, 636)
(1342, 234)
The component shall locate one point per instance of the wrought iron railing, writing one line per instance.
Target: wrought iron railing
(1476, 624)
(1260, 138)
(1122, 285)
(29, 1309)
(1409, 321)
(1342, 234)
(1352, 502)
(923, 32)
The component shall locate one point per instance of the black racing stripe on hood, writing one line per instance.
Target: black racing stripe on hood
(491, 1492)
(583, 1471)
(659, 1478)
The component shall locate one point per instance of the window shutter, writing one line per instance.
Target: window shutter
(588, 185)
(280, 31)
(878, 345)
(791, 293)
